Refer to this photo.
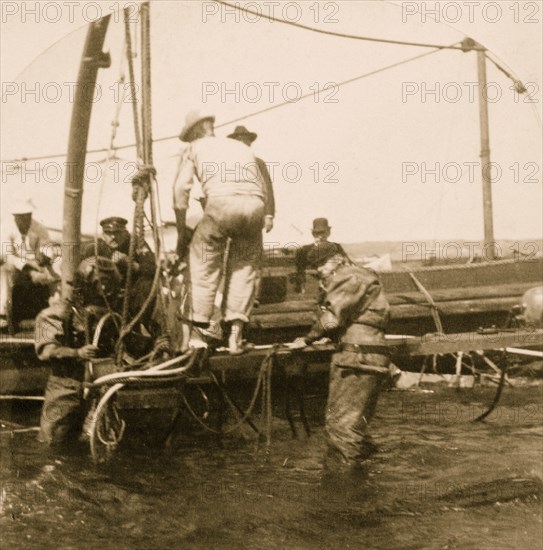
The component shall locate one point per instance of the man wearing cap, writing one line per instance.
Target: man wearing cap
(321, 232)
(234, 203)
(115, 245)
(60, 341)
(354, 312)
(25, 264)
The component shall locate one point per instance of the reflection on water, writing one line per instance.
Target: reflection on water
(438, 482)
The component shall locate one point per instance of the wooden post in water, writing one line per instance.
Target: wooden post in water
(93, 59)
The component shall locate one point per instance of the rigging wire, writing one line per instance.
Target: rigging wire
(339, 34)
(250, 115)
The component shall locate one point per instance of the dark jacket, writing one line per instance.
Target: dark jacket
(269, 209)
(56, 339)
(302, 261)
(353, 310)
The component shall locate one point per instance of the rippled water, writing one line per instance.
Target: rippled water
(438, 482)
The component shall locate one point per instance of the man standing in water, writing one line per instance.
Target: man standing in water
(354, 311)
(234, 199)
(60, 340)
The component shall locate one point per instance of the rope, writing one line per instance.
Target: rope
(253, 114)
(263, 379)
(338, 34)
(433, 305)
(130, 57)
(158, 371)
(109, 155)
(501, 384)
(115, 435)
(137, 228)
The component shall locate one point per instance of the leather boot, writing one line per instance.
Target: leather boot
(235, 341)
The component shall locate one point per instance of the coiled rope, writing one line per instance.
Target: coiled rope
(106, 413)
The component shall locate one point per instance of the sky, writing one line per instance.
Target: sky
(393, 156)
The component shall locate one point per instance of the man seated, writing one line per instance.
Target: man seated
(115, 245)
(309, 253)
(26, 275)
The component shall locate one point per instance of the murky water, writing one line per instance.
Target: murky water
(438, 482)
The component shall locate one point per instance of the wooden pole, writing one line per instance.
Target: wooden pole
(93, 59)
(489, 243)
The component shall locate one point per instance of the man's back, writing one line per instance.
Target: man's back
(224, 167)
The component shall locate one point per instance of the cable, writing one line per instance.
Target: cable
(342, 35)
(255, 113)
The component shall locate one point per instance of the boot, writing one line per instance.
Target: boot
(235, 341)
(198, 338)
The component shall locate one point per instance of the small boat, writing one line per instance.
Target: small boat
(453, 300)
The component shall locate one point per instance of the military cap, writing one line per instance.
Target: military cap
(112, 224)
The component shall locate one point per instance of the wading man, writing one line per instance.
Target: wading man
(354, 312)
(60, 341)
(234, 199)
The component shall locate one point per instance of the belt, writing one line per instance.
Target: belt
(365, 348)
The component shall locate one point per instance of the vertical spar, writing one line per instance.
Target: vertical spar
(93, 59)
(468, 45)
(489, 247)
(489, 244)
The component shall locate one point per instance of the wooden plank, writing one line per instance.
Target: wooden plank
(431, 344)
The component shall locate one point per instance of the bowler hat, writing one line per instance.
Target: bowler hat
(112, 224)
(242, 132)
(192, 118)
(320, 224)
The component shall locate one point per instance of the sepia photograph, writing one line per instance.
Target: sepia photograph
(271, 274)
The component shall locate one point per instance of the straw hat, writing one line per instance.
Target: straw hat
(22, 206)
(193, 118)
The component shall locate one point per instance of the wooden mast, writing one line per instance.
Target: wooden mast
(489, 249)
(93, 59)
(489, 246)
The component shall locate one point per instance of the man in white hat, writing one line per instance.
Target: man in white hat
(234, 200)
(25, 266)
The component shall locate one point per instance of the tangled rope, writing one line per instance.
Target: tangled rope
(263, 382)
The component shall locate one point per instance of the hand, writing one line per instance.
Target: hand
(32, 265)
(119, 257)
(41, 277)
(87, 352)
(299, 343)
(143, 174)
(268, 223)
